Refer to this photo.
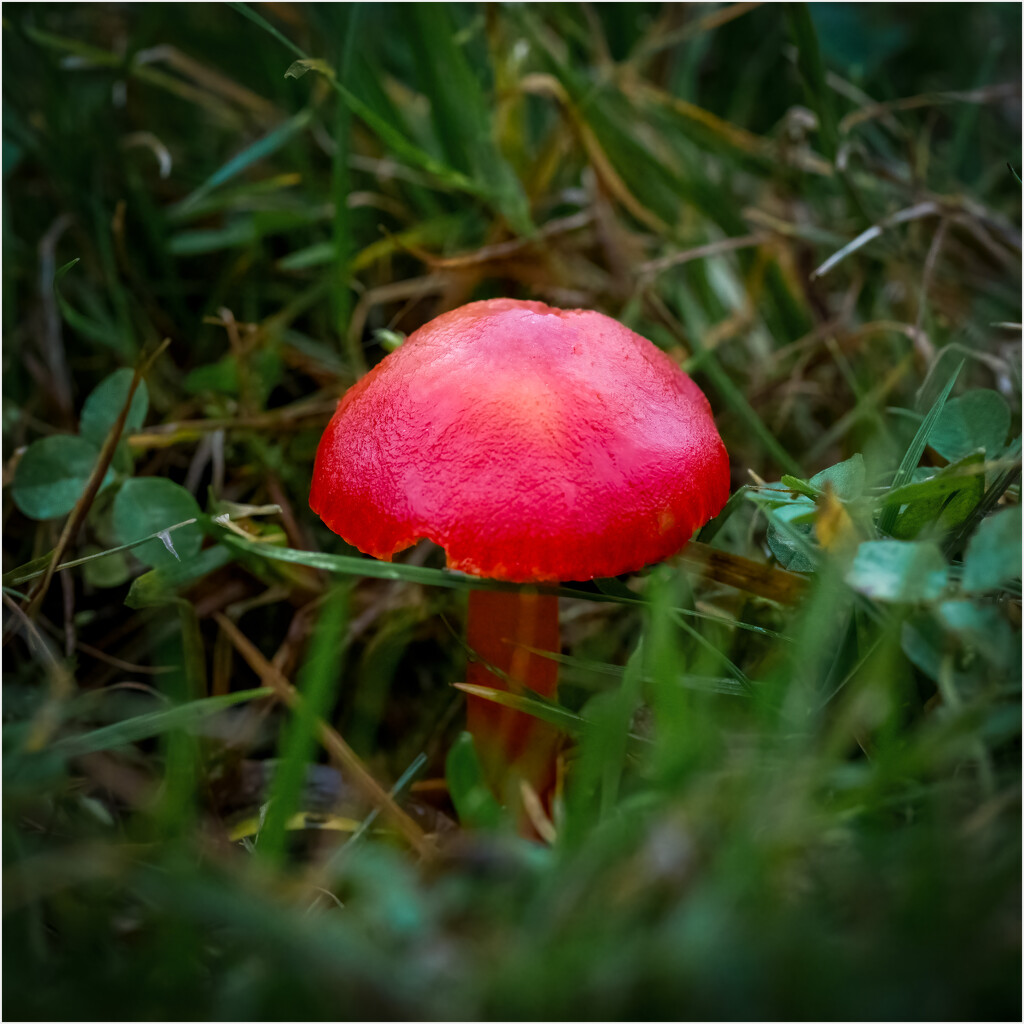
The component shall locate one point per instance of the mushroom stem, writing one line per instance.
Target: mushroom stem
(501, 628)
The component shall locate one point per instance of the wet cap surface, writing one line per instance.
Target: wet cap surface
(531, 443)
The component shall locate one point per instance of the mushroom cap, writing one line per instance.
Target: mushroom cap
(533, 444)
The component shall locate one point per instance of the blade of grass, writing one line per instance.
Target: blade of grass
(912, 456)
(318, 682)
(388, 134)
(144, 727)
(594, 784)
(259, 150)
(341, 186)
(812, 73)
(461, 115)
(586, 667)
(474, 802)
(349, 565)
(177, 807)
(553, 714)
(1002, 482)
(743, 573)
(404, 780)
(38, 566)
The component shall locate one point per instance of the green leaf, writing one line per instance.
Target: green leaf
(945, 499)
(899, 571)
(474, 802)
(927, 643)
(262, 372)
(847, 478)
(52, 475)
(104, 405)
(789, 534)
(981, 627)
(148, 505)
(299, 67)
(237, 233)
(794, 483)
(912, 456)
(142, 727)
(929, 482)
(103, 569)
(315, 255)
(978, 419)
(994, 553)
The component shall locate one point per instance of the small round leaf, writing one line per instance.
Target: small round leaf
(895, 570)
(978, 419)
(847, 478)
(994, 553)
(149, 504)
(108, 571)
(52, 475)
(105, 403)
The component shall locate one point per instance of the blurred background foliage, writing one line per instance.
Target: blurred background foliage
(791, 781)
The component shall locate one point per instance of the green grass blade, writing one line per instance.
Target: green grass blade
(912, 456)
(144, 727)
(584, 667)
(404, 780)
(388, 134)
(341, 186)
(474, 802)
(349, 565)
(546, 711)
(38, 566)
(259, 150)
(247, 12)
(461, 113)
(812, 72)
(317, 684)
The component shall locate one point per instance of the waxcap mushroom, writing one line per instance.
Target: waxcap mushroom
(533, 444)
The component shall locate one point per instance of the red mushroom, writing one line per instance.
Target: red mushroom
(534, 445)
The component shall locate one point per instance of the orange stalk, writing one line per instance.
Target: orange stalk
(501, 628)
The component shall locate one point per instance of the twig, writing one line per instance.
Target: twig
(498, 250)
(289, 417)
(716, 18)
(987, 94)
(743, 573)
(916, 212)
(126, 666)
(926, 282)
(654, 267)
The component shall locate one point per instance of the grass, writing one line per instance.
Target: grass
(235, 781)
